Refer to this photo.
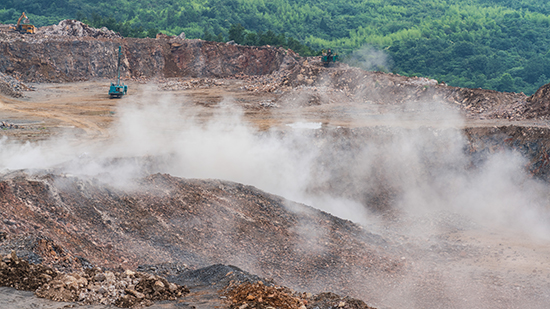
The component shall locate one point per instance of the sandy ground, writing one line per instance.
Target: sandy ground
(470, 267)
(85, 109)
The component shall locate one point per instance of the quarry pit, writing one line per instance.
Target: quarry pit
(226, 166)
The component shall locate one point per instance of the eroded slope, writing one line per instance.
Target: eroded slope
(198, 222)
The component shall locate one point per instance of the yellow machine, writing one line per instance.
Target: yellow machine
(25, 27)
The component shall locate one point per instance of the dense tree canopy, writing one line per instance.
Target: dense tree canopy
(494, 44)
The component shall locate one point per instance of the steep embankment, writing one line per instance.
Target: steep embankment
(71, 55)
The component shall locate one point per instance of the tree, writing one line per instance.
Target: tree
(237, 33)
(251, 38)
(506, 83)
(152, 33)
(208, 36)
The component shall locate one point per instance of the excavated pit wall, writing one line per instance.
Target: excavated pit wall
(42, 58)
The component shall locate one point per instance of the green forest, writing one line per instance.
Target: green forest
(492, 44)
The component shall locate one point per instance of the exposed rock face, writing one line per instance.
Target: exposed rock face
(75, 52)
(201, 58)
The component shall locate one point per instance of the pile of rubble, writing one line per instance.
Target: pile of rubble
(342, 83)
(193, 83)
(6, 126)
(260, 296)
(11, 86)
(538, 105)
(129, 289)
(71, 27)
(173, 39)
(91, 286)
(20, 274)
(275, 82)
(488, 104)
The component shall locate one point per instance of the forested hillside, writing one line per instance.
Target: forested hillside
(493, 44)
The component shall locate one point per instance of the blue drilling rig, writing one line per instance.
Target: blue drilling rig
(118, 90)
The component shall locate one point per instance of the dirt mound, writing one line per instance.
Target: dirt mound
(260, 296)
(71, 27)
(539, 103)
(388, 92)
(257, 295)
(488, 104)
(111, 227)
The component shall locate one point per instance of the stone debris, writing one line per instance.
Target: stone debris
(6, 126)
(260, 296)
(122, 289)
(538, 105)
(329, 300)
(488, 104)
(163, 36)
(71, 27)
(20, 274)
(268, 104)
(164, 269)
(274, 82)
(11, 86)
(176, 41)
(319, 85)
(421, 81)
(193, 83)
(92, 286)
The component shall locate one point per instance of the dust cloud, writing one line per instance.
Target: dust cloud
(409, 166)
(417, 169)
(369, 58)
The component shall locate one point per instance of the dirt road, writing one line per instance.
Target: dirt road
(85, 109)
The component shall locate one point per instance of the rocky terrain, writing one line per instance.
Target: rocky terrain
(61, 53)
(424, 195)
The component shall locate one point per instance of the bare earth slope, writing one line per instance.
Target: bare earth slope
(445, 188)
(166, 219)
